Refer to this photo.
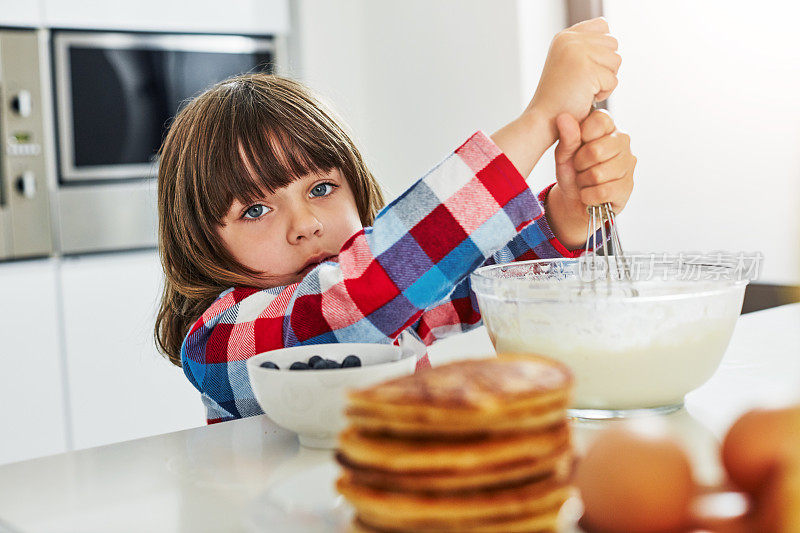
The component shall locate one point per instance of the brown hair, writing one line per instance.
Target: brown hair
(245, 134)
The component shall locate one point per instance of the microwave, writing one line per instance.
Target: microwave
(82, 116)
(116, 93)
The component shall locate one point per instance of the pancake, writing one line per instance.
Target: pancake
(466, 398)
(434, 465)
(422, 512)
(558, 464)
(544, 521)
(455, 425)
(417, 455)
(477, 446)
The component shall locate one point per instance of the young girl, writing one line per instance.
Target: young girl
(272, 233)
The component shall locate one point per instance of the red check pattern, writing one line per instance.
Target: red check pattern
(408, 273)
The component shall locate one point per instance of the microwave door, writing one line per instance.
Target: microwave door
(140, 106)
(109, 110)
(116, 93)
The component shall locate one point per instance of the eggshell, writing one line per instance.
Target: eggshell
(756, 442)
(635, 481)
(779, 503)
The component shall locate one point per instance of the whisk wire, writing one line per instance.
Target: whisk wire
(603, 215)
(622, 259)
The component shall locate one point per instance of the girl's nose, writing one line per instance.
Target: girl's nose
(304, 225)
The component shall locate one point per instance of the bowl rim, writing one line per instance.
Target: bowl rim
(251, 361)
(479, 280)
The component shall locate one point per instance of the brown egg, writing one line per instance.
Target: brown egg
(635, 480)
(756, 442)
(778, 506)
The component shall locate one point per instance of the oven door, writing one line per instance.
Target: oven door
(116, 92)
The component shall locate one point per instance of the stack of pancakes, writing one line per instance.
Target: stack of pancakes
(472, 446)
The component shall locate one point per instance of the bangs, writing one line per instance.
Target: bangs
(257, 147)
(244, 137)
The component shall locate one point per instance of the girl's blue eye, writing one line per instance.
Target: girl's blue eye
(255, 211)
(322, 189)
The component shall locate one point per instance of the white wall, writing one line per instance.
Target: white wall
(538, 22)
(709, 94)
(414, 79)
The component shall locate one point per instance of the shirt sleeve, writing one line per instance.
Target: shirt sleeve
(459, 313)
(422, 246)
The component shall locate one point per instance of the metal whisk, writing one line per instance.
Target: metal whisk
(603, 214)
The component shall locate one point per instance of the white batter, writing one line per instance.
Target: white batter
(624, 355)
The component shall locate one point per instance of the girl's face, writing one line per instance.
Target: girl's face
(286, 234)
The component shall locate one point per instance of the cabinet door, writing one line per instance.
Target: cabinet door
(241, 16)
(32, 420)
(22, 14)
(120, 387)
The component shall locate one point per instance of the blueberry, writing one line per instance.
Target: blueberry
(314, 360)
(297, 365)
(269, 364)
(331, 363)
(319, 364)
(351, 361)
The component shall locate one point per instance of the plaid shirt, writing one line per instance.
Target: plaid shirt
(405, 277)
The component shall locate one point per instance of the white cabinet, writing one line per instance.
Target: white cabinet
(262, 17)
(120, 387)
(32, 420)
(237, 16)
(23, 14)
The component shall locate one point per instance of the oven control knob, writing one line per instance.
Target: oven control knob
(22, 103)
(26, 184)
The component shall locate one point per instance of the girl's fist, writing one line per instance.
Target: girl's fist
(594, 163)
(581, 68)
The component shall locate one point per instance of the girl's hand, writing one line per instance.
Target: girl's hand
(581, 68)
(594, 165)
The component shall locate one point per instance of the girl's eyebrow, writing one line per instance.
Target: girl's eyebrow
(266, 195)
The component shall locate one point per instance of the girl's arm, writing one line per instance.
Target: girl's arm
(246, 321)
(595, 146)
(580, 69)
(422, 245)
(419, 249)
(459, 313)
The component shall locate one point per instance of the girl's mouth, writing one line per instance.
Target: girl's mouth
(308, 268)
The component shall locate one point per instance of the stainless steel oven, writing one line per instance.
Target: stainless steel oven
(25, 190)
(83, 115)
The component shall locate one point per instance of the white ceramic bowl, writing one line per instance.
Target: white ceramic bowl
(628, 350)
(311, 402)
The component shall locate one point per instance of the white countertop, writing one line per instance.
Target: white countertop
(211, 478)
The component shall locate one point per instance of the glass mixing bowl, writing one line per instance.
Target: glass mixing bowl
(632, 346)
